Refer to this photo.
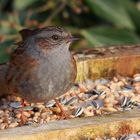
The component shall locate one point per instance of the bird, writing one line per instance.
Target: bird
(42, 67)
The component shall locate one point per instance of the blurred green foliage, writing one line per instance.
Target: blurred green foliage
(98, 22)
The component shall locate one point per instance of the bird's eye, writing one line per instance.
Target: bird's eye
(55, 37)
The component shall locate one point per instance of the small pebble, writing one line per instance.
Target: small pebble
(1, 120)
(37, 114)
(109, 109)
(27, 114)
(113, 138)
(12, 125)
(89, 111)
(18, 115)
(3, 125)
(44, 115)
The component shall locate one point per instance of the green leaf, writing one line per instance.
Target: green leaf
(133, 12)
(112, 11)
(100, 36)
(21, 5)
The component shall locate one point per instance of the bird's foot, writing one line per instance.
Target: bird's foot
(63, 114)
(23, 118)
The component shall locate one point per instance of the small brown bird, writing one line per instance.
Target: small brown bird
(42, 67)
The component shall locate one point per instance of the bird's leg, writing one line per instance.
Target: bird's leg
(23, 118)
(63, 113)
(22, 106)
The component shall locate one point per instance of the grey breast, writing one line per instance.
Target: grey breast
(54, 73)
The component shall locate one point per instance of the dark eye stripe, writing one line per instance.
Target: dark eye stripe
(42, 42)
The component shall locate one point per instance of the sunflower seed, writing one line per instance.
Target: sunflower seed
(71, 101)
(136, 104)
(78, 111)
(76, 85)
(63, 100)
(123, 138)
(95, 104)
(88, 95)
(130, 137)
(125, 102)
(127, 89)
(102, 93)
(16, 105)
(93, 92)
(100, 103)
(51, 103)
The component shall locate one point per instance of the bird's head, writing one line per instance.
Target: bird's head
(49, 37)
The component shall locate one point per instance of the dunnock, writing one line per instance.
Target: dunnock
(42, 67)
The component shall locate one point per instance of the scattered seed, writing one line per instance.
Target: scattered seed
(84, 99)
(27, 114)
(51, 103)
(101, 81)
(1, 120)
(125, 102)
(137, 78)
(109, 109)
(71, 101)
(102, 93)
(76, 85)
(92, 92)
(12, 125)
(88, 111)
(16, 105)
(63, 100)
(3, 125)
(129, 87)
(136, 104)
(78, 111)
(95, 104)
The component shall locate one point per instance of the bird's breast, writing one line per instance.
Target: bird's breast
(55, 75)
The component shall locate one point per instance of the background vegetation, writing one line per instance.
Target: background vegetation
(98, 22)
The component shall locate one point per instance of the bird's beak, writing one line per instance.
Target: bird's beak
(70, 39)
